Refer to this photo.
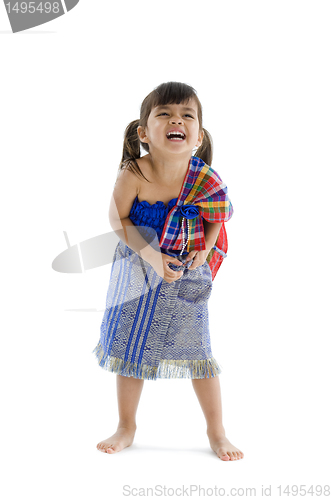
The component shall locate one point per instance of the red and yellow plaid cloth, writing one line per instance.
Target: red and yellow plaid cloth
(206, 195)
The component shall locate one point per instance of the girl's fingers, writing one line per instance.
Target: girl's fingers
(175, 273)
(176, 262)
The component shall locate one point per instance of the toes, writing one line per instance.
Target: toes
(114, 448)
(102, 447)
(108, 448)
(223, 455)
(233, 455)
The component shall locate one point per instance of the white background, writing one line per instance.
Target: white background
(262, 71)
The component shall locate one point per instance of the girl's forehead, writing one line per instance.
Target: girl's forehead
(187, 106)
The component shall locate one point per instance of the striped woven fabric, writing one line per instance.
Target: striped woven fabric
(202, 188)
(153, 329)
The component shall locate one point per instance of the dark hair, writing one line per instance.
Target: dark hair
(166, 93)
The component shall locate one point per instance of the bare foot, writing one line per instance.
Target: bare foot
(224, 449)
(121, 439)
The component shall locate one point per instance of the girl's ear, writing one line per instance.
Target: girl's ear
(141, 134)
(200, 139)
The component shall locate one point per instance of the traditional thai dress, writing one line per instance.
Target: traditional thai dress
(151, 328)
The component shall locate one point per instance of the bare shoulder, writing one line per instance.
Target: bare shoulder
(123, 196)
(127, 187)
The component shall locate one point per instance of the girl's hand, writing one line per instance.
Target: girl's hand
(159, 261)
(199, 258)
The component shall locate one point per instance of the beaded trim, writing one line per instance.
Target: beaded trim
(183, 237)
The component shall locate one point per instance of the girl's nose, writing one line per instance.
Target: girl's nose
(176, 120)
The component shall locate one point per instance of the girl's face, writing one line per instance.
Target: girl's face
(172, 128)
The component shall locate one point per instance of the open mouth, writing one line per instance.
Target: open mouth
(176, 136)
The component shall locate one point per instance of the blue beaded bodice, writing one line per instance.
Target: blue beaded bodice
(152, 216)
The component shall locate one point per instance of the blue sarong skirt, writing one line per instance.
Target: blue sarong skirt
(153, 329)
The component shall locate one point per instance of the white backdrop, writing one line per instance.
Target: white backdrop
(262, 71)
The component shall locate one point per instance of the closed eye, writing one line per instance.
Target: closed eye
(164, 113)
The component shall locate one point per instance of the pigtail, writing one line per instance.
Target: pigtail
(131, 150)
(205, 151)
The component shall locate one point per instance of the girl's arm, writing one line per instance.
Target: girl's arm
(125, 191)
(211, 231)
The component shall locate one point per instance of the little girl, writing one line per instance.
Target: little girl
(168, 209)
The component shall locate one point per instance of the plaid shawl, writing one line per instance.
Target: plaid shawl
(201, 188)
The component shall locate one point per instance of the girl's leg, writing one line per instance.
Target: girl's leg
(129, 391)
(209, 396)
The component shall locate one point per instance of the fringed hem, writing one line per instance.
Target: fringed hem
(168, 368)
